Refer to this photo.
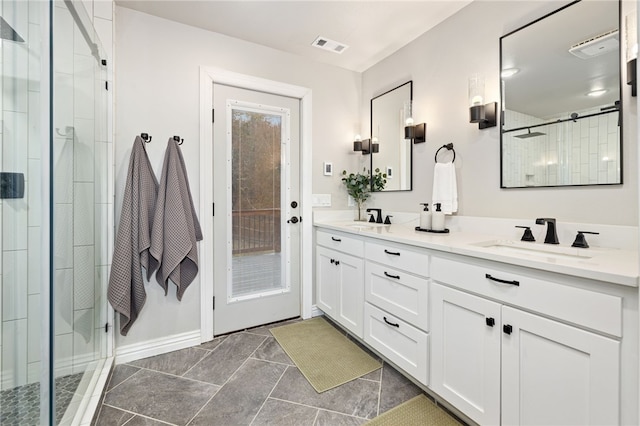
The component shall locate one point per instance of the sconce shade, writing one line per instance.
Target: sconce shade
(484, 115)
(364, 146)
(476, 114)
(408, 132)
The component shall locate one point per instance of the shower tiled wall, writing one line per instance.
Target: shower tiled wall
(82, 153)
(582, 153)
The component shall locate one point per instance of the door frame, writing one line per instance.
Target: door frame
(209, 76)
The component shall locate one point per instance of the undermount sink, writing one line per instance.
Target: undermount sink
(532, 249)
(365, 225)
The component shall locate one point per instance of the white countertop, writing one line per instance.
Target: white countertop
(618, 266)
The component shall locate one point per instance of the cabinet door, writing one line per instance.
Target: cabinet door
(465, 352)
(555, 374)
(326, 280)
(350, 291)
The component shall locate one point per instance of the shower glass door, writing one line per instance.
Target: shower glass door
(55, 223)
(80, 206)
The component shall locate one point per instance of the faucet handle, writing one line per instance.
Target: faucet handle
(527, 236)
(581, 241)
(387, 221)
(371, 217)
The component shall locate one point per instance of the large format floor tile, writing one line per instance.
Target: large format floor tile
(226, 358)
(244, 378)
(161, 396)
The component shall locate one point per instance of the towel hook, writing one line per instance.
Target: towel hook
(449, 147)
(177, 139)
(145, 137)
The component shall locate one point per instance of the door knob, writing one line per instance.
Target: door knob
(293, 220)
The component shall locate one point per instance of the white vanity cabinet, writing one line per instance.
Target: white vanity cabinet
(508, 348)
(396, 305)
(339, 279)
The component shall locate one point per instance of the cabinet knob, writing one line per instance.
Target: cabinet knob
(507, 329)
(490, 321)
(333, 261)
(337, 262)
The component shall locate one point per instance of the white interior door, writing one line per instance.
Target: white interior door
(256, 249)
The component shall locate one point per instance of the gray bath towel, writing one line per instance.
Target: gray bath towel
(126, 285)
(175, 228)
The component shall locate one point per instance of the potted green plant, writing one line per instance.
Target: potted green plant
(360, 185)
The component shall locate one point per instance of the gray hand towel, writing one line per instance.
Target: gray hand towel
(126, 291)
(175, 228)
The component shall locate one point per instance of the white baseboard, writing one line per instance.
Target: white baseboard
(315, 311)
(135, 351)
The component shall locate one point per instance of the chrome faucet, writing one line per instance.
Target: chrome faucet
(379, 218)
(552, 236)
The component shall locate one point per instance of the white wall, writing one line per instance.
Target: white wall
(440, 63)
(157, 91)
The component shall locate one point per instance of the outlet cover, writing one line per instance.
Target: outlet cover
(321, 200)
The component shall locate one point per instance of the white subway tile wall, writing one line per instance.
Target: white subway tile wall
(582, 153)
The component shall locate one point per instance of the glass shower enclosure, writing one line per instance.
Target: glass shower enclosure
(56, 221)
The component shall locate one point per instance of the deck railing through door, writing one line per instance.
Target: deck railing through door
(256, 231)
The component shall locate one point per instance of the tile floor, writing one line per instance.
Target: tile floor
(243, 378)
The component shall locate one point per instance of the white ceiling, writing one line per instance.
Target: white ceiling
(372, 29)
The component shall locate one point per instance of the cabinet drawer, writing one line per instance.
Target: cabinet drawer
(401, 343)
(398, 256)
(342, 242)
(585, 308)
(398, 293)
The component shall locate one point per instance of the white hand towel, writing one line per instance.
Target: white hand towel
(445, 189)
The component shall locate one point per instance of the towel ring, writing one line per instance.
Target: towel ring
(449, 147)
(177, 139)
(145, 137)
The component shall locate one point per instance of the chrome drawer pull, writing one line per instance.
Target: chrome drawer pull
(336, 239)
(392, 252)
(514, 282)
(397, 277)
(390, 323)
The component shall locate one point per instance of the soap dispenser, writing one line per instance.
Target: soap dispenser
(425, 217)
(437, 218)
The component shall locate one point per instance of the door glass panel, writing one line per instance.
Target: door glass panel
(256, 141)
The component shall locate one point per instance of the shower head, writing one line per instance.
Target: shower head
(529, 134)
(8, 33)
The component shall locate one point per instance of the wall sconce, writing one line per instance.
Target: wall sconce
(631, 36)
(375, 145)
(365, 146)
(418, 132)
(479, 112)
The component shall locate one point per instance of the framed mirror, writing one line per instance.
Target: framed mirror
(561, 112)
(387, 126)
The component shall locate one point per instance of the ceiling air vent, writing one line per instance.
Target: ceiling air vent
(330, 45)
(595, 46)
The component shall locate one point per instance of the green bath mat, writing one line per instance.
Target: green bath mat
(324, 356)
(419, 411)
